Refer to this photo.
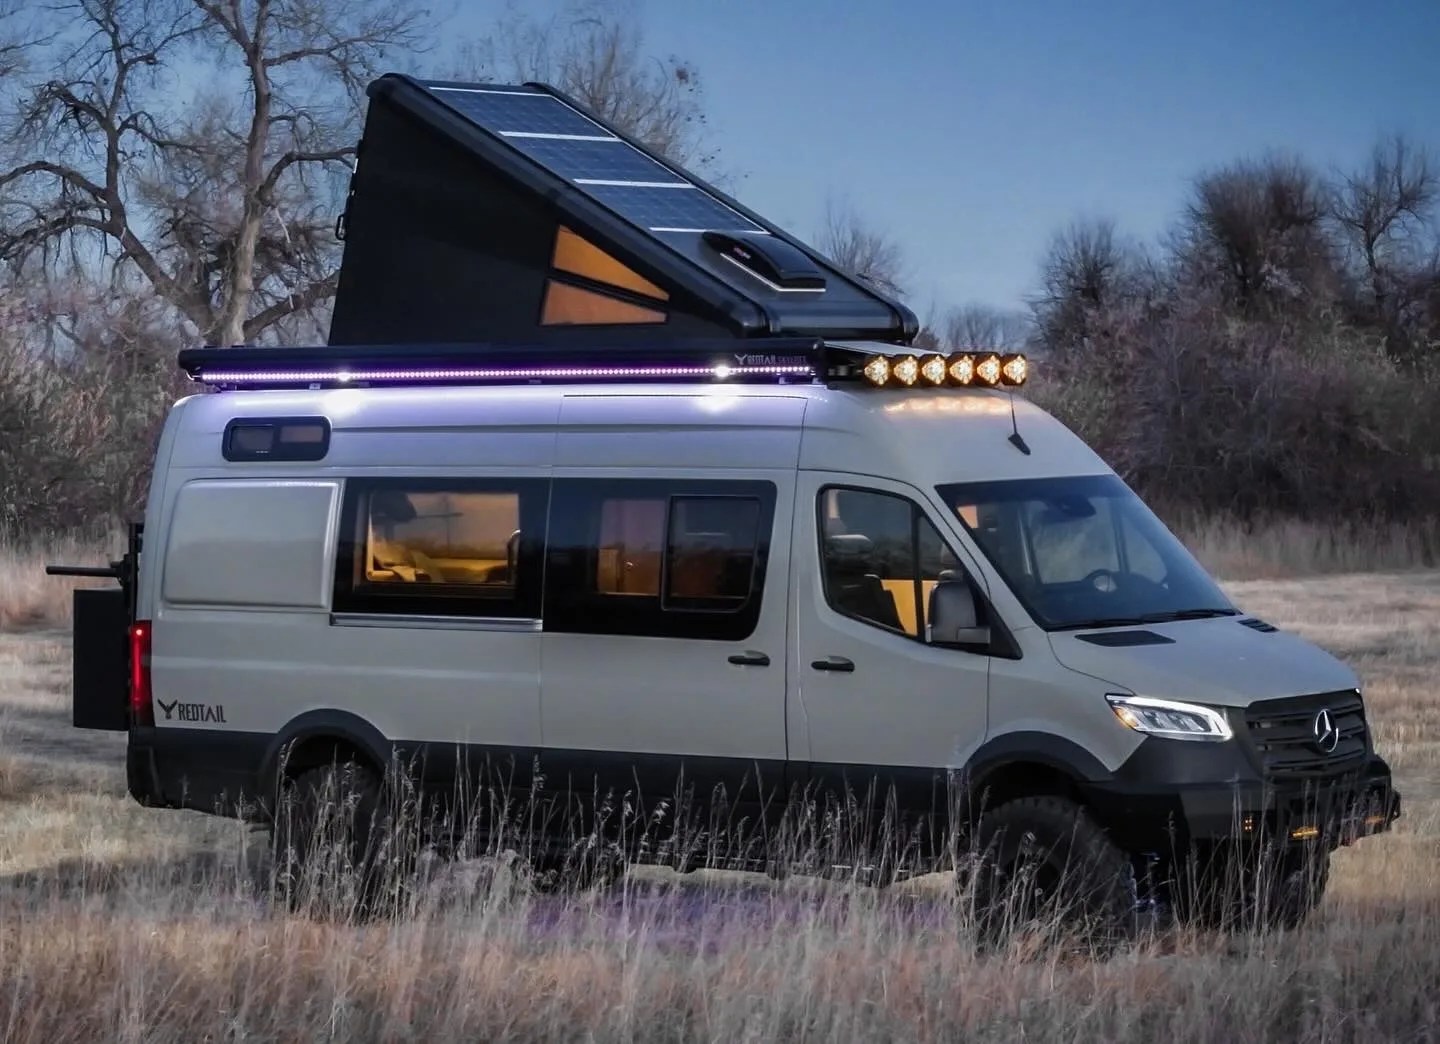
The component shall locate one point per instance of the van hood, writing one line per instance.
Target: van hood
(1219, 662)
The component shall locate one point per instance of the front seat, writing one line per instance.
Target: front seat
(852, 587)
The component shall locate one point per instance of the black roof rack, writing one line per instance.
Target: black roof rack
(765, 360)
(718, 360)
(511, 213)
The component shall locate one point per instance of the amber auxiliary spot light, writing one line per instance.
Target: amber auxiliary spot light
(955, 369)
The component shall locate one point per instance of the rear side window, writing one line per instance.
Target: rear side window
(658, 558)
(276, 438)
(441, 547)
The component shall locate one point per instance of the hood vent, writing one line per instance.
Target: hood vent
(1258, 625)
(1122, 639)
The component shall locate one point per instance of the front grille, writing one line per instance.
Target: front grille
(1282, 733)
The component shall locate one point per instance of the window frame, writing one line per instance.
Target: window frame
(292, 452)
(572, 553)
(916, 513)
(565, 273)
(352, 595)
(1002, 643)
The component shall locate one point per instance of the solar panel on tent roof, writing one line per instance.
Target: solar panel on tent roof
(608, 169)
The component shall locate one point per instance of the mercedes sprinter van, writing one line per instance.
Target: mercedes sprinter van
(809, 586)
(616, 523)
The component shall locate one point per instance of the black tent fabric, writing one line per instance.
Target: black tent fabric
(501, 213)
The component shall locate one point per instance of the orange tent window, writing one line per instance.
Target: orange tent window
(569, 305)
(583, 258)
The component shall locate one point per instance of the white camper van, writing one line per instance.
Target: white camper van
(612, 508)
(800, 578)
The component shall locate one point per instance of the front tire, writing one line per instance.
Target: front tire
(1228, 889)
(1044, 867)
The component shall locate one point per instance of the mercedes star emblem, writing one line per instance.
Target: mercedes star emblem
(1327, 736)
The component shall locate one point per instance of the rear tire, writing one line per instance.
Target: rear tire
(338, 851)
(1044, 867)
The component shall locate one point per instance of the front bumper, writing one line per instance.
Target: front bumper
(1337, 811)
(1170, 794)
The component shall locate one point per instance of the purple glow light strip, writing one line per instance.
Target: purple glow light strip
(719, 372)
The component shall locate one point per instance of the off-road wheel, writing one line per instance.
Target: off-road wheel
(339, 851)
(1231, 890)
(1043, 868)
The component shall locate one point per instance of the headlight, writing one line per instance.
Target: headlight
(1169, 718)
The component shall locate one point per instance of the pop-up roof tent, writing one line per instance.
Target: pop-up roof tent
(509, 214)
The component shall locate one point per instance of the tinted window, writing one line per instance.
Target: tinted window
(276, 438)
(441, 547)
(880, 557)
(710, 554)
(661, 558)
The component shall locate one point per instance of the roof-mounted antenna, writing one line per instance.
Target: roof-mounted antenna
(1016, 439)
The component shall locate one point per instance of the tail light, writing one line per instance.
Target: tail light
(142, 711)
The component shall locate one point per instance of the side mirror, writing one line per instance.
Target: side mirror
(953, 617)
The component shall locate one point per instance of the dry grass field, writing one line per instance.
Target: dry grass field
(118, 923)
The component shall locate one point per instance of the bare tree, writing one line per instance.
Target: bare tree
(1382, 212)
(224, 205)
(1082, 273)
(857, 247)
(16, 36)
(1255, 229)
(595, 52)
(983, 326)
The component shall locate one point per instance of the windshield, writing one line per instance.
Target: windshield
(1084, 552)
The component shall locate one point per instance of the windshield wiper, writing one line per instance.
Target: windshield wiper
(1107, 621)
(1147, 618)
(1187, 614)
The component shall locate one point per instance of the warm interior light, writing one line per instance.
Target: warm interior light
(877, 370)
(932, 368)
(1015, 369)
(1305, 833)
(906, 369)
(962, 369)
(988, 369)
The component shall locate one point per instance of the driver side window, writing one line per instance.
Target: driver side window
(880, 558)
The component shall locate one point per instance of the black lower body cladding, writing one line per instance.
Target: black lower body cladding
(1168, 796)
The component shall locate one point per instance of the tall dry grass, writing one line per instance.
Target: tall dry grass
(121, 923)
(29, 598)
(1278, 548)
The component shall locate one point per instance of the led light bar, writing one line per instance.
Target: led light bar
(718, 371)
(958, 369)
(770, 360)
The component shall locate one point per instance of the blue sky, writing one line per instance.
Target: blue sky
(973, 131)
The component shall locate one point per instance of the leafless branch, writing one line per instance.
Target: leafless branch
(867, 252)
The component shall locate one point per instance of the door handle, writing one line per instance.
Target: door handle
(750, 659)
(834, 663)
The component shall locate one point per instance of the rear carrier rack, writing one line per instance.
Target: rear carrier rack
(769, 361)
(106, 652)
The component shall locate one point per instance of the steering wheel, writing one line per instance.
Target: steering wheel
(1105, 580)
